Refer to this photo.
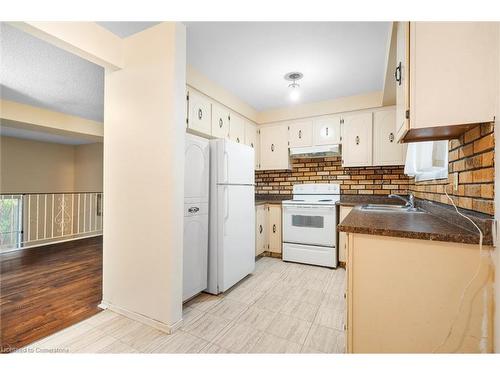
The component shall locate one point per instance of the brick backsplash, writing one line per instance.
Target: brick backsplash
(471, 157)
(367, 180)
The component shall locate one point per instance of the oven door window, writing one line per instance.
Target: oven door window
(307, 221)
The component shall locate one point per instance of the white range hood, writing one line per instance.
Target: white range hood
(315, 151)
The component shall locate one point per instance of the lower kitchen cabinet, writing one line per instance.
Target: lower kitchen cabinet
(274, 211)
(403, 295)
(261, 237)
(344, 211)
(268, 228)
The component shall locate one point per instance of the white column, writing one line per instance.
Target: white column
(144, 126)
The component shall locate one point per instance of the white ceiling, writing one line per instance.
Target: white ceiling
(37, 73)
(247, 58)
(125, 29)
(250, 59)
(41, 136)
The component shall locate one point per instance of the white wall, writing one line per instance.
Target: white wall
(88, 167)
(29, 166)
(36, 167)
(144, 117)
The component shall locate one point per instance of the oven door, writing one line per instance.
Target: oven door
(309, 225)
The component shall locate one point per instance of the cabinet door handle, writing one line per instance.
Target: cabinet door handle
(327, 131)
(391, 137)
(397, 74)
(193, 210)
(274, 228)
(300, 134)
(238, 139)
(260, 228)
(272, 147)
(251, 144)
(357, 140)
(220, 123)
(200, 114)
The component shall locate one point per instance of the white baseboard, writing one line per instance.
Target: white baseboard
(142, 318)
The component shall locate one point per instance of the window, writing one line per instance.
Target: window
(10, 221)
(427, 160)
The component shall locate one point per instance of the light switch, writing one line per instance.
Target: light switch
(455, 181)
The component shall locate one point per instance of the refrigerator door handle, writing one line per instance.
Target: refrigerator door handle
(226, 205)
(226, 166)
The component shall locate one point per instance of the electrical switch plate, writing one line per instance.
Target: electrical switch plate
(455, 181)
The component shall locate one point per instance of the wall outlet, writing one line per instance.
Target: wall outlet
(455, 181)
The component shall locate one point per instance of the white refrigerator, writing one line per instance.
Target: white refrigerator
(196, 197)
(231, 254)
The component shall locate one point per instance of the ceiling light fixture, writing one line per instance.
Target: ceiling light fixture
(294, 86)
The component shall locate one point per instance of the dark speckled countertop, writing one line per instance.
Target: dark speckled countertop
(438, 222)
(417, 225)
(355, 200)
(270, 198)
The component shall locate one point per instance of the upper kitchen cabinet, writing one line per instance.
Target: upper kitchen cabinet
(326, 130)
(237, 129)
(386, 150)
(300, 133)
(199, 113)
(220, 121)
(252, 139)
(357, 140)
(274, 147)
(402, 79)
(446, 78)
(250, 134)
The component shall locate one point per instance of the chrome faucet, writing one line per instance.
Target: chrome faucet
(410, 202)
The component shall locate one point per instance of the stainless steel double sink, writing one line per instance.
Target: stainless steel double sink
(390, 208)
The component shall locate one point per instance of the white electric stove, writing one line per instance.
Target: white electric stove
(309, 225)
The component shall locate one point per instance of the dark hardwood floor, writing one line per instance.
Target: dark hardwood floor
(48, 288)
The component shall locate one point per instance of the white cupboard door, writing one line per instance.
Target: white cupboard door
(357, 140)
(274, 228)
(453, 66)
(274, 147)
(402, 78)
(260, 229)
(344, 211)
(326, 131)
(199, 115)
(195, 255)
(197, 161)
(300, 133)
(250, 134)
(386, 150)
(220, 121)
(252, 140)
(237, 129)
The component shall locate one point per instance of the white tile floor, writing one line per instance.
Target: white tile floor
(281, 308)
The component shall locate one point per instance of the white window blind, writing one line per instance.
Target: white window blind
(427, 160)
